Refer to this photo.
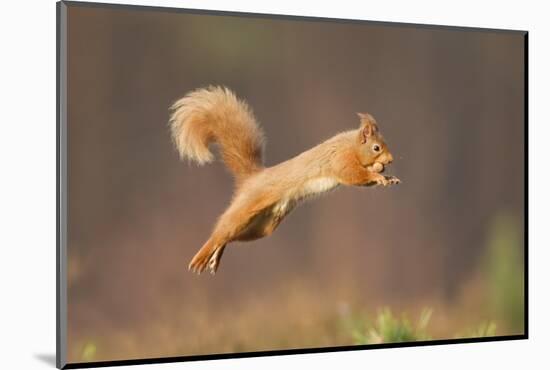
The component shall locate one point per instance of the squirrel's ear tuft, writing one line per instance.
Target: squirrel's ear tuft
(365, 117)
(367, 128)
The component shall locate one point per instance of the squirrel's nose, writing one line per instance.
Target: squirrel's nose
(390, 158)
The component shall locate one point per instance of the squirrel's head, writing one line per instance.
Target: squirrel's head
(373, 151)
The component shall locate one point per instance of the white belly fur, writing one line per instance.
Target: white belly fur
(308, 189)
(317, 186)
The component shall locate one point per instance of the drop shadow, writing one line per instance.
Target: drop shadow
(47, 358)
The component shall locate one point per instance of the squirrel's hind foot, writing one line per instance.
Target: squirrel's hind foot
(208, 257)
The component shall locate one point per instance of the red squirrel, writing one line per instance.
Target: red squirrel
(265, 195)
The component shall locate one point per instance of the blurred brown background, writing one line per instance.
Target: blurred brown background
(449, 102)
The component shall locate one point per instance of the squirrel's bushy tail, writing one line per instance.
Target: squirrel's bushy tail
(215, 114)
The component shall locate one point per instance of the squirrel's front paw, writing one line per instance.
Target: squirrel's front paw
(387, 180)
(392, 180)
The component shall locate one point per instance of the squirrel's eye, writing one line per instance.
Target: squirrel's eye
(376, 147)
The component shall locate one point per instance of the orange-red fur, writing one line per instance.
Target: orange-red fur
(264, 196)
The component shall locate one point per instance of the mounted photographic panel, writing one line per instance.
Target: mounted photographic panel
(365, 183)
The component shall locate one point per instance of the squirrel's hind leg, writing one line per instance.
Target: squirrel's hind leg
(241, 221)
(208, 257)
